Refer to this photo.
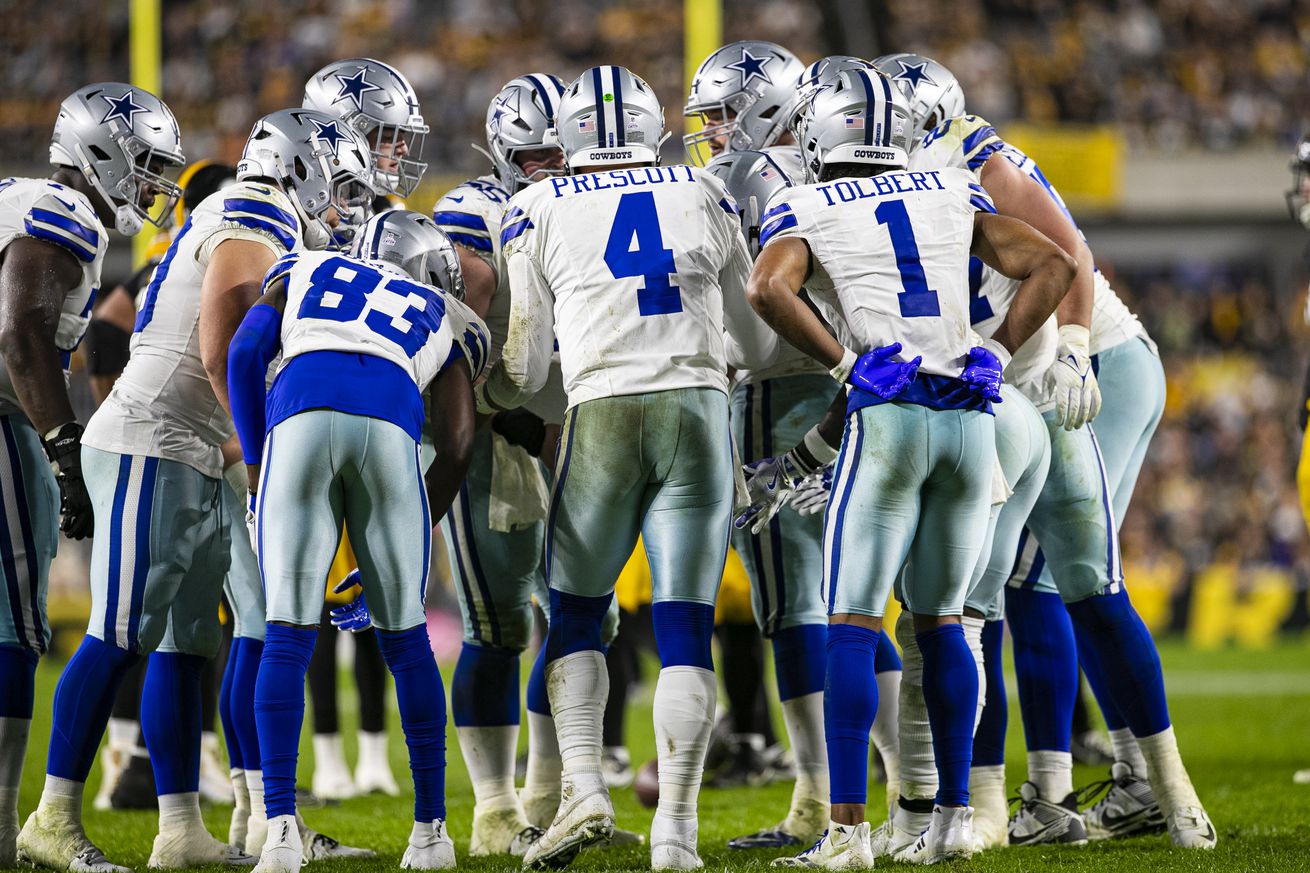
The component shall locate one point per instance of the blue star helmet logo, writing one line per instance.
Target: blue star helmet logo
(123, 108)
(915, 74)
(502, 108)
(330, 134)
(354, 88)
(752, 67)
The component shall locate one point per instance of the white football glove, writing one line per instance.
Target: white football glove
(770, 482)
(1070, 380)
(251, 527)
(811, 496)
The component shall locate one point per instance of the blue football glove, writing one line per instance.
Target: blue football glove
(982, 373)
(354, 616)
(877, 373)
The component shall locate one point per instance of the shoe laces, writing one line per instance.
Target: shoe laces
(815, 848)
(1092, 792)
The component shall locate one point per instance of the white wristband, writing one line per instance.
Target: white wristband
(842, 372)
(1001, 352)
(817, 446)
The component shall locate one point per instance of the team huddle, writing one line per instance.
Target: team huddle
(864, 344)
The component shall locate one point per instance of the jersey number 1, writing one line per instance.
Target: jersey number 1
(916, 298)
(636, 248)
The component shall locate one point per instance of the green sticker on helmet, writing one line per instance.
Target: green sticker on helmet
(608, 98)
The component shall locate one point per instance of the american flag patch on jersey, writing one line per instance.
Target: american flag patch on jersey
(855, 122)
(587, 125)
(769, 173)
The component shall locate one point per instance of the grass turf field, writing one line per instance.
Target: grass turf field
(1243, 720)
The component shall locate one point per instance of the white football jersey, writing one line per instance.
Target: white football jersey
(163, 405)
(637, 272)
(968, 141)
(340, 303)
(56, 214)
(890, 258)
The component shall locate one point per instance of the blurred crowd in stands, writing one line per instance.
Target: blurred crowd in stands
(1171, 73)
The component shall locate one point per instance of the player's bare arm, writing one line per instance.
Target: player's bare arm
(1018, 196)
(1045, 271)
(232, 285)
(274, 297)
(451, 396)
(35, 277)
(774, 292)
(479, 280)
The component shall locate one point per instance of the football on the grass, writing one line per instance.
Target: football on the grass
(647, 784)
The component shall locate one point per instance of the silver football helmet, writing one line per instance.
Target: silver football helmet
(120, 137)
(752, 178)
(858, 118)
(743, 94)
(519, 118)
(820, 73)
(933, 91)
(318, 161)
(412, 241)
(378, 102)
(609, 116)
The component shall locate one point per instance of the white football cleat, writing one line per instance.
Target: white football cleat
(332, 779)
(581, 822)
(949, 837)
(1128, 807)
(430, 847)
(673, 844)
(1190, 828)
(373, 770)
(193, 847)
(58, 843)
(502, 831)
(320, 846)
(898, 832)
(282, 852)
(842, 847)
(1039, 821)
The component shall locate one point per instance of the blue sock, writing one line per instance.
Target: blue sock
(17, 681)
(484, 691)
(237, 703)
(850, 703)
(683, 633)
(538, 699)
(1117, 648)
(1045, 666)
(422, 703)
(800, 659)
(575, 623)
(280, 711)
(887, 658)
(171, 713)
(950, 692)
(84, 697)
(1113, 720)
(989, 738)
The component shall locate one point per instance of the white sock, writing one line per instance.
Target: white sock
(918, 766)
(684, 716)
(579, 685)
(489, 756)
(240, 821)
(991, 812)
(803, 717)
(373, 750)
(973, 628)
(180, 812)
(673, 830)
(124, 733)
(544, 765)
(328, 752)
(886, 724)
(1164, 768)
(1052, 773)
(1127, 751)
(62, 797)
(255, 790)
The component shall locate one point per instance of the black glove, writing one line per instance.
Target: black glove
(64, 450)
(521, 428)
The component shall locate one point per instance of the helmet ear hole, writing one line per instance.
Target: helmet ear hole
(100, 154)
(299, 169)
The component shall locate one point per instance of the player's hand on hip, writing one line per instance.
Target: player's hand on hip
(1070, 380)
(876, 371)
(63, 448)
(354, 616)
(983, 372)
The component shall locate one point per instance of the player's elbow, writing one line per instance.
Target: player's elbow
(762, 293)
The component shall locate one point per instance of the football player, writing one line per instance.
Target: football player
(153, 453)
(361, 338)
(914, 477)
(638, 269)
(1090, 482)
(111, 142)
(743, 95)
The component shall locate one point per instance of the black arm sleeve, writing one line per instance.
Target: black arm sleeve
(106, 347)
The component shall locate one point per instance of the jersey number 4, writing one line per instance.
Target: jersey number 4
(916, 298)
(636, 248)
(339, 290)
